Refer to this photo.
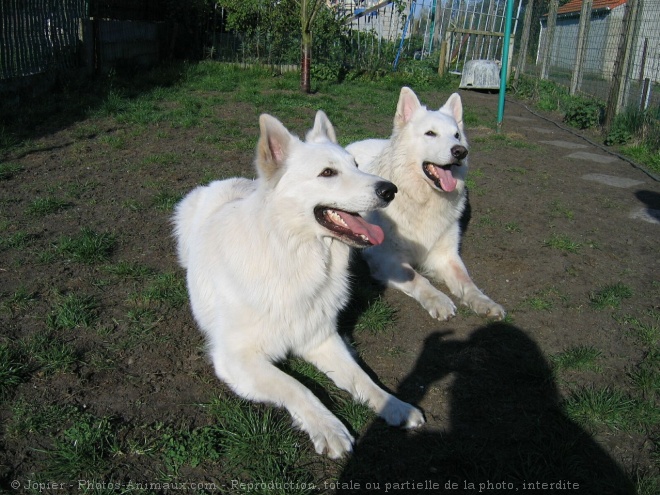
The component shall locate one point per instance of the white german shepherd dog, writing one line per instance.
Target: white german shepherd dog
(426, 157)
(267, 269)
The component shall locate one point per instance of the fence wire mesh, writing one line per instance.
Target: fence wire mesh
(621, 44)
(620, 38)
(39, 35)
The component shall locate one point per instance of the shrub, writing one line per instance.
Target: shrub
(582, 113)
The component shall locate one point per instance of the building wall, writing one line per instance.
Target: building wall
(605, 32)
(602, 43)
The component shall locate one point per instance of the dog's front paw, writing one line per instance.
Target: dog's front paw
(399, 413)
(439, 306)
(496, 312)
(329, 437)
(484, 306)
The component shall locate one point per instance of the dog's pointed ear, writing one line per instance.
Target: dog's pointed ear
(406, 107)
(273, 146)
(454, 107)
(322, 130)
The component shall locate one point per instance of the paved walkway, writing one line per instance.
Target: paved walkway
(566, 144)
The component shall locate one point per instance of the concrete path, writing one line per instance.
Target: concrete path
(595, 163)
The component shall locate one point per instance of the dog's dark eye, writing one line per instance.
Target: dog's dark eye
(457, 135)
(431, 133)
(328, 172)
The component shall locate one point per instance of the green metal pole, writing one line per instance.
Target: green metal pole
(505, 62)
(432, 32)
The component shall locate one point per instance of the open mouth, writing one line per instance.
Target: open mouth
(351, 228)
(440, 175)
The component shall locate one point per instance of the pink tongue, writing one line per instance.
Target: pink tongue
(447, 180)
(358, 226)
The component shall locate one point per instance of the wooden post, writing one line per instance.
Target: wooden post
(615, 98)
(524, 40)
(643, 100)
(549, 38)
(583, 34)
(442, 64)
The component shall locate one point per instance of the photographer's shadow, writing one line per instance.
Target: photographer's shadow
(505, 426)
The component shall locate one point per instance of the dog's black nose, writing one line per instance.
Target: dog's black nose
(459, 152)
(386, 190)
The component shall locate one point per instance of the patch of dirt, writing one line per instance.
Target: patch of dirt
(489, 392)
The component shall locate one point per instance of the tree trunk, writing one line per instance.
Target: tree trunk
(306, 63)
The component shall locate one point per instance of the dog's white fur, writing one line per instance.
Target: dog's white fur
(267, 280)
(422, 225)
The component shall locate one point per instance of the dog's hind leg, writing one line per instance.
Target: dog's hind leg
(335, 359)
(255, 378)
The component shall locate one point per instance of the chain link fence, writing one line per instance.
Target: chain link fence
(609, 50)
(39, 36)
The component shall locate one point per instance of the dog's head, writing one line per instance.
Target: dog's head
(317, 182)
(436, 139)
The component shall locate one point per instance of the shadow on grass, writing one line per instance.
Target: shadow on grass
(505, 427)
(73, 98)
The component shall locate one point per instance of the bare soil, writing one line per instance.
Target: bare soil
(489, 391)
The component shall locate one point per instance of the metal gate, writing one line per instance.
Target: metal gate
(472, 30)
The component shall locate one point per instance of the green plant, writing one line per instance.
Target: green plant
(558, 209)
(17, 240)
(646, 376)
(45, 206)
(83, 449)
(563, 243)
(357, 414)
(49, 353)
(377, 318)
(13, 370)
(592, 407)
(259, 444)
(307, 371)
(166, 200)
(545, 299)
(618, 134)
(73, 311)
(189, 448)
(142, 319)
(163, 159)
(539, 303)
(9, 170)
(642, 125)
(166, 288)
(29, 418)
(645, 330)
(583, 113)
(581, 357)
(130, 270)
(20, 300)
(610, 296)
(88, 246)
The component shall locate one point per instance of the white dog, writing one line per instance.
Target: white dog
(426, 158)
(267, 268)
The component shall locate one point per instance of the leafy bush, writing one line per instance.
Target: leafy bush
(633, 124)
(582, 113)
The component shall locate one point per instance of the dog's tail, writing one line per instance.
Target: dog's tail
(184, 221)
